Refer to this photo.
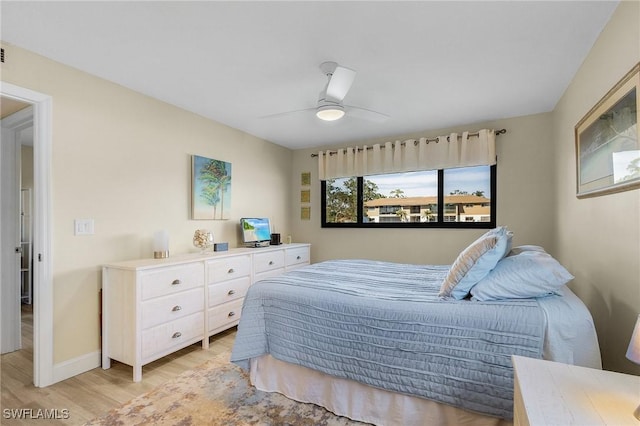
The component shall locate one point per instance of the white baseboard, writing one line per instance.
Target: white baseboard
(75, 366)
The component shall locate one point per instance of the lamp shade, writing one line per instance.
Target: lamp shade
(633, 352)
(161, 244)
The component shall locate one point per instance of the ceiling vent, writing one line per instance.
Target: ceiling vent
(2, 55)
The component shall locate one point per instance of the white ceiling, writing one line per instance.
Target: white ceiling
(427, 64)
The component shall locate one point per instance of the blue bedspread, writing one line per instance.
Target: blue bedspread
(382, 324)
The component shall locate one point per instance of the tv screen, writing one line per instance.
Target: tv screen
(255, 229)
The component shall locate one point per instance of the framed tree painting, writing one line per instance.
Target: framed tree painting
(210, 188)
(607, 143)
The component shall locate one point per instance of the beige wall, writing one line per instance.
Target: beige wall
(525, 196)
(598, 239)
(123, 159)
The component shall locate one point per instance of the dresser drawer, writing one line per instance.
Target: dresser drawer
(172, 334)
(268, 261)
(297, 256)
(229, 290)
(163, 281)
(228, 268)
(167, 308)
(222, 315)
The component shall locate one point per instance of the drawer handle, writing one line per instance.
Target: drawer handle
(298, 258)
(230, 271)
(231, 292)
(177, 308)
(271, 262)
(176, 282)
(176, 335)
(231, 314)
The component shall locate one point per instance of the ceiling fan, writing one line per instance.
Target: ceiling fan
(330, 106)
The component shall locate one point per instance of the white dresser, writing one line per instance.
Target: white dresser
(153, 307)
(552, 393)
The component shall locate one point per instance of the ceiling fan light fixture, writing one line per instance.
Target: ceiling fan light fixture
(330, 112)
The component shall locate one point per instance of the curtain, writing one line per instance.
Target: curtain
(443, 152)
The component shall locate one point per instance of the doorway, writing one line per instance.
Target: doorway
(43, 373)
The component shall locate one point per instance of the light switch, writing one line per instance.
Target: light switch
(83, 227)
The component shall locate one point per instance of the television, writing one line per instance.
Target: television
(256, 231)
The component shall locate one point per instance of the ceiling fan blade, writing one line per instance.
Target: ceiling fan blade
(288, 113)
(339, 83)
(366, 114)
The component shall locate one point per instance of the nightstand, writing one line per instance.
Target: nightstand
(552, 393)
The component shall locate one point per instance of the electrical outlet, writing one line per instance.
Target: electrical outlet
(83, 227)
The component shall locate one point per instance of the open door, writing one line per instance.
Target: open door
(11, 254)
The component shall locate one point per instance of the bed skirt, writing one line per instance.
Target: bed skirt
(358, 401)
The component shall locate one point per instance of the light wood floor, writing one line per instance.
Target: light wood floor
(91, 394)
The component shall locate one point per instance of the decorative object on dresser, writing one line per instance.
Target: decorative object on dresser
(153, 307)
(633, 354)
(161, 245)
(203, 239)
(553, 393)
(220, 246)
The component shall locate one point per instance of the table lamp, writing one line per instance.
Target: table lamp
(633, 354)
(161, 245)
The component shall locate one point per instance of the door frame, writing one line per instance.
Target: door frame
(42, 239)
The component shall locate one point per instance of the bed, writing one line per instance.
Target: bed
(379, 342)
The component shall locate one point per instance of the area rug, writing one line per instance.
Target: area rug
(216, 393)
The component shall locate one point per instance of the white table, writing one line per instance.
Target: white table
(552, 393)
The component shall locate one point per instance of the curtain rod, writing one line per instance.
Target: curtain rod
(415, 142)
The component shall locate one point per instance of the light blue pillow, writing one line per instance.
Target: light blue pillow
(475, 262)
(527, 274)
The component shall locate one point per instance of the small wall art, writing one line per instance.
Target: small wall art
(607, 147)
(211, 188)
(305, 178)
(305, 213)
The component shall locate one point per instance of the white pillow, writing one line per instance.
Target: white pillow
(528, 274)
(475, 262)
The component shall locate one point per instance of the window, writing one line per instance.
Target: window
(449, 198)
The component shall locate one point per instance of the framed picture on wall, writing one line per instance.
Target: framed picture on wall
(305, 178)
(210, 188)
(607, 143)
(305, 213)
